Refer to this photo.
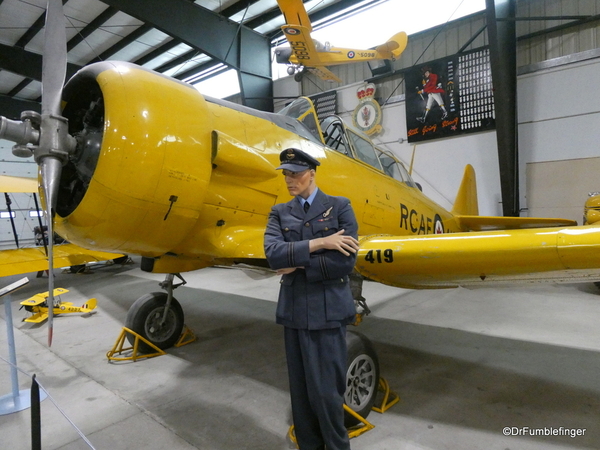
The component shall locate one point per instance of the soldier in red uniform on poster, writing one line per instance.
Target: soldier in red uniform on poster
(434, 92)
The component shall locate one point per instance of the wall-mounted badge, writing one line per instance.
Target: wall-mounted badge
(367, 114)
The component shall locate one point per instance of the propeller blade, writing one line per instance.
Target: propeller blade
(54, 67)
(50, 170)
(54, 139)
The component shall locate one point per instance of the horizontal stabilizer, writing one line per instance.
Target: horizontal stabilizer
(486, 223)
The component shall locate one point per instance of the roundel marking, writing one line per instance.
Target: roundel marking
(438, 225)
(351, 54)
(292, 31)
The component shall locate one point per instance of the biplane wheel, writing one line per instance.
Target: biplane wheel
(362, 376)
(298, 76)
(145, 317)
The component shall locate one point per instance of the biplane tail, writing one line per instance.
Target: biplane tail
(394, 46)
(89, 305)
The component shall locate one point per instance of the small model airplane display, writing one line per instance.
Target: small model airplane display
(38, 306)
(135, 162)
(306, 53)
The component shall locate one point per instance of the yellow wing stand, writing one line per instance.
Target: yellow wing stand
(389, 399)
(133, 353)
(38, 306)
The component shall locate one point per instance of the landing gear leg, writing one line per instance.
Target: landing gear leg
(157, 316)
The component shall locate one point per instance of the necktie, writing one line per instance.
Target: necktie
(306, 206)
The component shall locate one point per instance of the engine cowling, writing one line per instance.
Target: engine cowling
(130, 186)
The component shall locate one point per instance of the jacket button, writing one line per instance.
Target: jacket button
(286, 229)
(326, 228)
(307, 224)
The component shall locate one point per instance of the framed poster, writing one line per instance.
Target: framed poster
(449, 97)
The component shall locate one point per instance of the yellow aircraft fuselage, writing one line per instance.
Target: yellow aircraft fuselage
(191, 182)
(188, 182)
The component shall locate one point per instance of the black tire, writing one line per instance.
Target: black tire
(298, 77)
(144, 317)
(362, 377)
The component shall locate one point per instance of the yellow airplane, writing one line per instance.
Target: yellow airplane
(188, 181)
(38, 306)
(306, 53)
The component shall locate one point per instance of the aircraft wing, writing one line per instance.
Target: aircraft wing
(483, 223)
(18, 184)
(324, 73)
(294, 13)
(558, 254)
(33, 259)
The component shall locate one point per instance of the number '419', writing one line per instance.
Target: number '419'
(374, 256)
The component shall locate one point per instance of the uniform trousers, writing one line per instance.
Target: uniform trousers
(317, 362)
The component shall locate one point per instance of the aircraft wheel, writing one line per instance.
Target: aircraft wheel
(362, 377)
(298, 77)
(145, 317)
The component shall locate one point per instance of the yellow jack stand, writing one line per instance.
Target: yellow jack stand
(187, 337)
(353, 432)
(389, 399)
(118, 348)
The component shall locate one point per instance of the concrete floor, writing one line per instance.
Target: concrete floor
(466, 363)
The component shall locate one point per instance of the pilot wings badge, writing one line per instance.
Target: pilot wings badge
(326, 213)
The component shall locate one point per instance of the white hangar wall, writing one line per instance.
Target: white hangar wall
(559, 130)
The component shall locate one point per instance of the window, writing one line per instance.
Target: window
(364, 150)
(395, 169)
(7, 215)
(334, 135)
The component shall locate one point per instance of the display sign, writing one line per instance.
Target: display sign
(449, 97)
(367, 114)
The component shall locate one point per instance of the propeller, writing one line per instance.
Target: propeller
(46, 136)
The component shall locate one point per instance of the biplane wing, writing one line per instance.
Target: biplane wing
(324, 73)
(11, 184)
(34, 259)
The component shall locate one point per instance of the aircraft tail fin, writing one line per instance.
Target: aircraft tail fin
(394, 46)
(89, 305)
(466, 203)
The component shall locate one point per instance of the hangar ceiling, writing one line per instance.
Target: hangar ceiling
(185, 39)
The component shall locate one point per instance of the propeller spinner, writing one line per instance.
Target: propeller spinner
(46, 136)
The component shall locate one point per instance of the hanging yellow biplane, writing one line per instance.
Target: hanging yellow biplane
(304, 52)
(136, 162)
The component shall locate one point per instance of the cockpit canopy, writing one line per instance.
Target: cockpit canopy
(335, 134)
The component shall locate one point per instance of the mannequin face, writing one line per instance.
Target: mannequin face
(300, 183)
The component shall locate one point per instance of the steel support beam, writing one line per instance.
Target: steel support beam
(235, 45)
(500, 16)
(12, 107)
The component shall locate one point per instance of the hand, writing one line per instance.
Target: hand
(286, 270)
(339, 241)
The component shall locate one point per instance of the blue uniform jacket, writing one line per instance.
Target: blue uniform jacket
(318, 296)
